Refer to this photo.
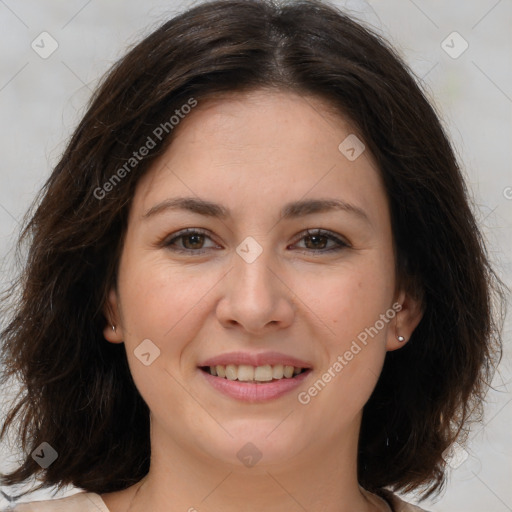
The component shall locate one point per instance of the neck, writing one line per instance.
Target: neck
(321, 477)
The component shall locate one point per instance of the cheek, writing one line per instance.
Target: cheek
(157, 297)
(352, 298)
(162, 304)
(354, 304)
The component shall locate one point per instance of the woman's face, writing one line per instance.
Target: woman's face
(253, 281)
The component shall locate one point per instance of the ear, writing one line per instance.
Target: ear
(406, 320)
(111, 312)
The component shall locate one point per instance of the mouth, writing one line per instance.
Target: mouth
(254, 374)
(254, 384)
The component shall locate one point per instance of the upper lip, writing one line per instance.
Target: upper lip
(256, 359)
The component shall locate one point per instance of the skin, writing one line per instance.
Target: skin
(253, 153)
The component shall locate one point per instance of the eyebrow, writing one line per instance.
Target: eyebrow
(291, 210)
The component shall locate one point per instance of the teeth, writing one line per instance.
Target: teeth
(288, 372)
(245, 372)
(231, 372)
(263, 373)
(248, 373)
(278, 371)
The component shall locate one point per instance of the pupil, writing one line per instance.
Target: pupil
(316, 237)
(198, 239)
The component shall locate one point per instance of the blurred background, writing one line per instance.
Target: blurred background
(54, 52)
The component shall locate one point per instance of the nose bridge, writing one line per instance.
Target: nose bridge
(254, 295)
(252, 278)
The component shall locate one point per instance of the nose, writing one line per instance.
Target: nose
(255, 297)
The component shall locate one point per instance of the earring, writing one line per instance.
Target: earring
(114, 328)
(400, 339)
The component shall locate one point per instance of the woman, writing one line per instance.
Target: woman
(254, 279)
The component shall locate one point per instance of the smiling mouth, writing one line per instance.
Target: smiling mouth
(254, 375)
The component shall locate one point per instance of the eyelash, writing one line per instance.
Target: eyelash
(307, 233)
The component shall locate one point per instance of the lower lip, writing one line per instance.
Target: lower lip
(252, 392)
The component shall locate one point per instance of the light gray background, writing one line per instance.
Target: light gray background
(41, 101)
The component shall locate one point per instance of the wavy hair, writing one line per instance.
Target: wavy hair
(77, 393)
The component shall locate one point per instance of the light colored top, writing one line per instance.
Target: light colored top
(92, 502)
(80, 502)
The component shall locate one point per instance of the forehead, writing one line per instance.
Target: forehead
(263, 147)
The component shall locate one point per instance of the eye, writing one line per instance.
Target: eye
(316, 240)
(191, 240)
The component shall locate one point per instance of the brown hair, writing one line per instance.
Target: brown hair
(77, 391)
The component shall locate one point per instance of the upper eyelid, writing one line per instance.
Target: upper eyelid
(323, 232)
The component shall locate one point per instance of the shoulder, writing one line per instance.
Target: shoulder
(80, 502)
(397, 504)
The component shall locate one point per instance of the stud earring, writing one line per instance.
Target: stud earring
(114, 328)
(400, 339)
